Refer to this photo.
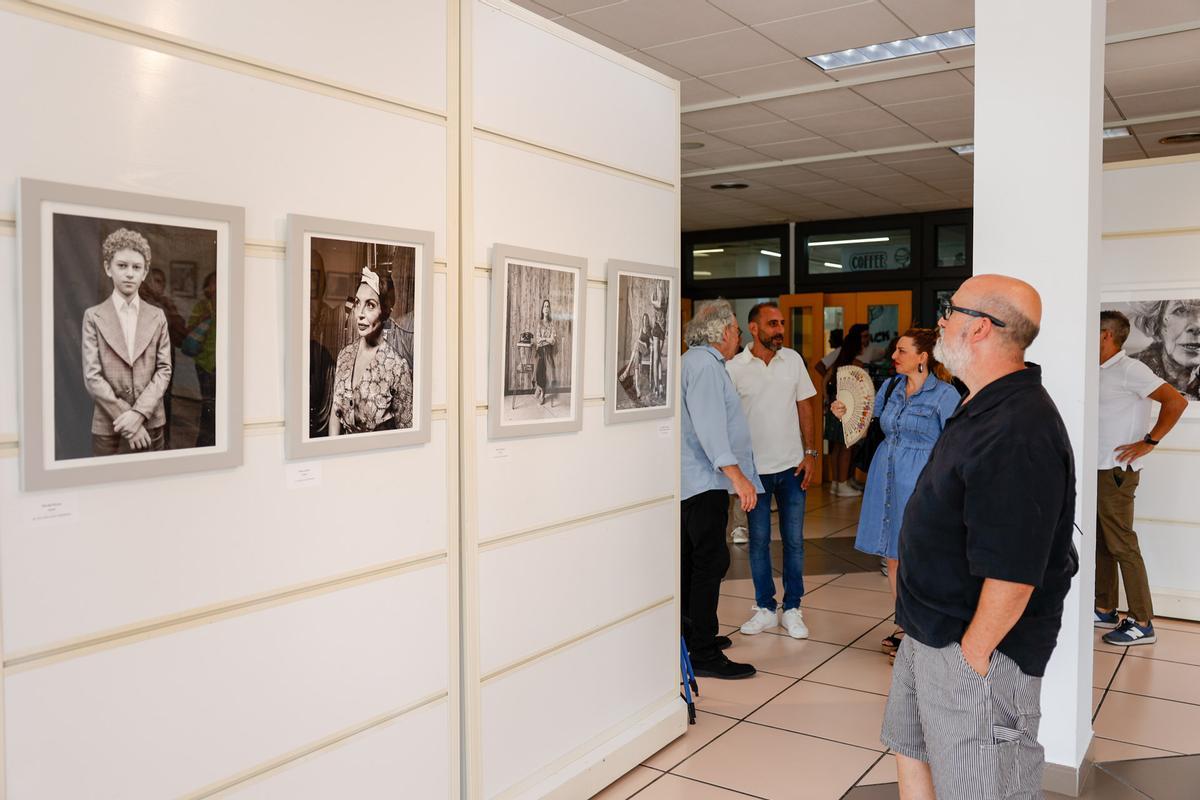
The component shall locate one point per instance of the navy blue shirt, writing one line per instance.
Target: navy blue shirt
(996, 500)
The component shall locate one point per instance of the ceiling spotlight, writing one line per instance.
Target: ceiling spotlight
(691, 145)
(1191, 137)
(720, 187)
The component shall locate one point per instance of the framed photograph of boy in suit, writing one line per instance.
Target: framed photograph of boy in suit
(360, 345)
(125, 375)
(642, 342)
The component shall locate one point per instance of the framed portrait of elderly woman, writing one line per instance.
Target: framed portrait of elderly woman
(358, 334)
(1164, 334)
(642, 342)
(536, 359)
(127, 375)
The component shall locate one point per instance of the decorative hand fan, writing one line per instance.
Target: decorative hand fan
(855, 390)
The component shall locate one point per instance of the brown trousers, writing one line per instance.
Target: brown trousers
(1117, 544)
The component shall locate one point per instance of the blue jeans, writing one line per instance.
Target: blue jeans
(785, 486)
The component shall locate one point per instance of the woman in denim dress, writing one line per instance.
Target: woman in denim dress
(912, 419)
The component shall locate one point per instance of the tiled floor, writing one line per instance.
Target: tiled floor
(807, 725)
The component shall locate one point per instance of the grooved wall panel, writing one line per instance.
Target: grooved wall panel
(1152, 196)
(169, 715)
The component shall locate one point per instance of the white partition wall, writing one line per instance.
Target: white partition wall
(572, 637)
(434, 621)
(1151, 251)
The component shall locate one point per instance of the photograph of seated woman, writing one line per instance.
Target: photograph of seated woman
(912, 417)
(543, 359)
(372, 388)
(641, 338)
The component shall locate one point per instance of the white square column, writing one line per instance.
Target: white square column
(1039, 72)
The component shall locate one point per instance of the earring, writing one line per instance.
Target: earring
(920, 367)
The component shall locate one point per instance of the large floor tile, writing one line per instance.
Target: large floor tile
(628, 784)
(1109, 750)
(843, 715)
(872, 581)
(856, 669)
(707, 728)
(822, 527)
(1170, 646)
(1177, 624)
(1097, 696)
(1148, 721)
(834, 627)
(744, 588)
(741, 697)
(673, 787)
(1163, 779)
(872, 639)
(882, 772)
(874, 791)
(851, 601)
(773, 764)
(1104, 666)
(734, 610)
(781, 655)
(1164, 679)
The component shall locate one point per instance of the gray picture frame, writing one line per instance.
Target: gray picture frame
(300, 230)
(613, 310)
(37, 201)
(503, 257)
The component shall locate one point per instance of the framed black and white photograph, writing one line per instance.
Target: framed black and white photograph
(642, 342)
(128, 373)
(1164, 334)
(537, 348)
(359, 336)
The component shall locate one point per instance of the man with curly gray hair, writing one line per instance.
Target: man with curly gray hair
(126, 354)
(717, 461)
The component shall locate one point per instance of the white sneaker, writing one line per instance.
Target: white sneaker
(763, 618)
(793, 623)
(740, 535)
(846, 490)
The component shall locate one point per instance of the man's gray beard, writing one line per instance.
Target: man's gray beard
(954, 357)
(770, 344)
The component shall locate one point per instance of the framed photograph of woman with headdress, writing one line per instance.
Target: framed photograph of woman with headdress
(642, 340)
(359, 336)
(536, 375)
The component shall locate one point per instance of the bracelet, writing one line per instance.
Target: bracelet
(812, 453)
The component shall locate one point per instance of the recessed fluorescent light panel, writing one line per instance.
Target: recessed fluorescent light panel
(850, 241)
(833, 265)
(885, 51)
(771, 253)
(963, 149)
(1115, 133)
(1105, 133)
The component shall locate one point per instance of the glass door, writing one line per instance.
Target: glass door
(804, 332)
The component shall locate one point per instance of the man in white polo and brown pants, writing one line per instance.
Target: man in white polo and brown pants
(1126, 388)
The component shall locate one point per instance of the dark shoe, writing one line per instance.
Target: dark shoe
(721, 667)
(1127, 634)
(1109, 620)
(723, 642)
(891, 644)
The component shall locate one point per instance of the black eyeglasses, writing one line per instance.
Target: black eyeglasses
(945, 309)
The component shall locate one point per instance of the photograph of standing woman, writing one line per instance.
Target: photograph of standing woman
(539, 342)
(641, 341)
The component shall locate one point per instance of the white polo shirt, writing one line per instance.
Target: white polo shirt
(769, 394)
(1125, 386)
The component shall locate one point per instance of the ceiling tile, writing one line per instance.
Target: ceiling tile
(538, 9)
(893, 182)
(1155, 150)
(838, 29)
(716, 119)
(727, 158)
(1126, 16)
(920, 87)
(698, 91)
(969, 74)
(712, 144)
(933, 16)
(1111, 114)
(657, 64)
(1171, 126)
(755, 12)
(1153, 51)
(804, 148)
(721, 52)
(879, 139)
(593, 34)
(803, 188)
(814, 104)
(942, 108)
(1169, 102)
(645, 23)
(771, 78)
(573, 6)
(863, 119)
(885, 69)
(1153, 79)
(688, 166)
(855, 168)
(785, 176)
(959, 56)
(948, 130)
(771, 133)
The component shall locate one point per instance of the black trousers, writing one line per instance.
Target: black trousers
(705, 559)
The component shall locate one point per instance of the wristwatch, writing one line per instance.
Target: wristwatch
(814, 453)
(1150, 441)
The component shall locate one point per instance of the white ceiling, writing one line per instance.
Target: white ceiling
(728, 54)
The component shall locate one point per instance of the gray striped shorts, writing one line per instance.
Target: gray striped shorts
(978, 734)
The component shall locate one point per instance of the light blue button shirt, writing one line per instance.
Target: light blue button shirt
(715, 432)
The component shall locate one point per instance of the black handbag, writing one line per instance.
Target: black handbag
(874, 436)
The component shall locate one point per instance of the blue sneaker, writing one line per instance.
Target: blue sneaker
(1109, 620)
(1130, 633)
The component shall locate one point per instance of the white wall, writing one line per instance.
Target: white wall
(1151, 250)
(235, 636)
(573, 635)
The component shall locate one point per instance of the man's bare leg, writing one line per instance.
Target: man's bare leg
(916, 780)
